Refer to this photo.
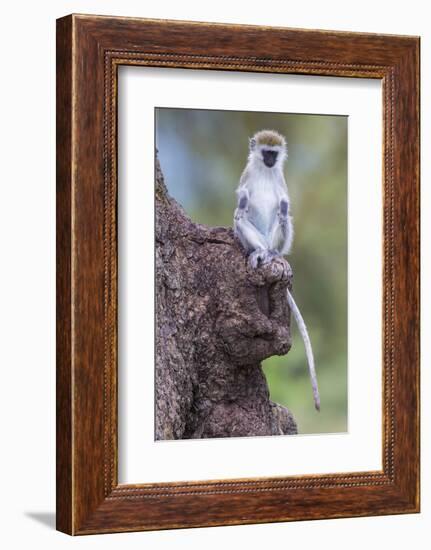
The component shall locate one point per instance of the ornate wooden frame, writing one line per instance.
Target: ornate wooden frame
(89, 51)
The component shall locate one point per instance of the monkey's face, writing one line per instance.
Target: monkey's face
(269, 157)
(268, 149)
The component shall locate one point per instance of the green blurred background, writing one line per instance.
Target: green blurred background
(202, 154)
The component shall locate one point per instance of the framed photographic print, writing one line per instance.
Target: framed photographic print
(237, 274)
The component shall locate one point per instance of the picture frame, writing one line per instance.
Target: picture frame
(89, 51)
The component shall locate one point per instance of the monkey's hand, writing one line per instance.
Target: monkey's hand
(283, 211)
(243, 201)
(262, 256)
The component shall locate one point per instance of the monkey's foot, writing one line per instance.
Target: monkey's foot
(261, 257)
(257, 258)
(273, 254)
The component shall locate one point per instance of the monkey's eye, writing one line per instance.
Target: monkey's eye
(269, 157)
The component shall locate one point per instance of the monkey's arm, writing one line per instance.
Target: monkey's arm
(281, 234)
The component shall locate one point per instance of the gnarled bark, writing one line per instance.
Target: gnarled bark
(216, 320)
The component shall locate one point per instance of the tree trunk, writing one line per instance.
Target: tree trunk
(216, 320)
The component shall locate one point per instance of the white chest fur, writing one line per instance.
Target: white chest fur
(263, 203)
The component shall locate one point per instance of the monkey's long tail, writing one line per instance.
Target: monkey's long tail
(308, 349)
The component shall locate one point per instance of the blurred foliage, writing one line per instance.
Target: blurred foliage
(202, 154)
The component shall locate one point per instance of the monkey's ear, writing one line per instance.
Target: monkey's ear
(252, 143)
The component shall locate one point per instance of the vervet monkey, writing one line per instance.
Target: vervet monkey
(262, 221)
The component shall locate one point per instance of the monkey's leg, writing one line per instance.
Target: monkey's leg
(254, 242)
(250, 237)
(248, 234)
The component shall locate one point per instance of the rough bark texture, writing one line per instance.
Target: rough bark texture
(216, 320)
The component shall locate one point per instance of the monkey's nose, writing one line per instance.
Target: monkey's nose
(269, 157)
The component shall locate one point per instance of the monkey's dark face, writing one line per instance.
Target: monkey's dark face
(269, 157)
